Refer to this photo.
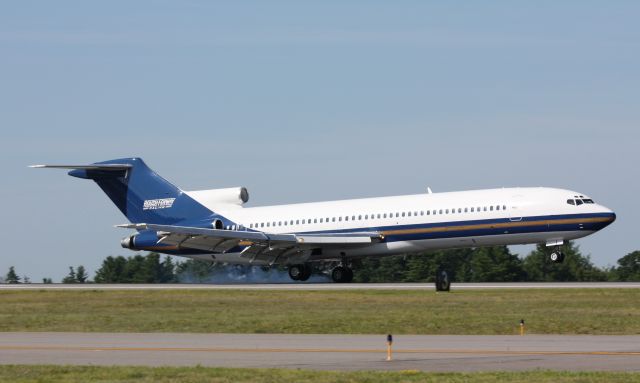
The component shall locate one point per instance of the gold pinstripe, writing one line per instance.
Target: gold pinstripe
(503, 225)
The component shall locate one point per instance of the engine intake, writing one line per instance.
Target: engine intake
(127, 242)
(230, 196)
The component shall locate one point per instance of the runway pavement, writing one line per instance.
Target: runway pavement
(326, 286)
(326, 352)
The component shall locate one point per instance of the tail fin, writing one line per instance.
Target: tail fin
(140, 193)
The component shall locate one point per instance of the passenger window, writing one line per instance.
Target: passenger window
(440, 211)
(491, 208)
(459, 210)
(504, 207)
(466, 209)
(428, 211)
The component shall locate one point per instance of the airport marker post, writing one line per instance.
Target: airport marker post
(521, 327)
(389, 343)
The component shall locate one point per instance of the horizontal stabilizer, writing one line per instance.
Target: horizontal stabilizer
(114, 167)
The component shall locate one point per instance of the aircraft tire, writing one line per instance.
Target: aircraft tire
(348, 275)
(341, 274)
(556, 257)
(306, 272)
(296, 272)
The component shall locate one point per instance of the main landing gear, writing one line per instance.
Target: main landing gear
(556, 255)
(342, 274)
(300, 272)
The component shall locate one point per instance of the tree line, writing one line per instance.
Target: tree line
(486, 264)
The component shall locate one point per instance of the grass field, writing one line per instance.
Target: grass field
(570, 311)
(20, 374)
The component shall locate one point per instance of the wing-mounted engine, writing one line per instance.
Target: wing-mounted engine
(213, 198)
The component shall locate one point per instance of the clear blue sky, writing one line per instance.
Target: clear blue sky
(302, 101)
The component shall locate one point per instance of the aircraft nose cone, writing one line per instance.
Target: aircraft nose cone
(610, 216)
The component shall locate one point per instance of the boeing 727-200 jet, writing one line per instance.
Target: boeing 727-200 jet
(213, 224)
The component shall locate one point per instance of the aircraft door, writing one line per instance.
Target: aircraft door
(515, 215)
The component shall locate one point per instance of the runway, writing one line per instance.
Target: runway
(326, 352)
(326, 286)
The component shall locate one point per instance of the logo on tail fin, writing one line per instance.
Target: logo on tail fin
(154, 204)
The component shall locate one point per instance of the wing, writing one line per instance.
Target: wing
(256, 244)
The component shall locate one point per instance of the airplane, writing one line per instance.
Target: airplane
(214, 225)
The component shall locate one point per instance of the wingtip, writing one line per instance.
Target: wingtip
(37, 166)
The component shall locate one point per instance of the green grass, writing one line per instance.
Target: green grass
(22, 373)
(569, 311)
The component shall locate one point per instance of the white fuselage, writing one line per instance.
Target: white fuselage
(416, 223)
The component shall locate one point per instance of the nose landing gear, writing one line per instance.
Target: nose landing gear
(556, 255)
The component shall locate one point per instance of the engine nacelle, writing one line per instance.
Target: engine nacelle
(215, 197)
(217, 224)
(127, 242)
(140, 241)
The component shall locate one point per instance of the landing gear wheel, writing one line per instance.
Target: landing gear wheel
(556, 256)
(341, 274)
(306, 273)
(443, 283)
(349, 275)
(296, 272)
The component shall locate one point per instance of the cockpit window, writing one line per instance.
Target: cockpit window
(571, 202)
(588, 200)
(578, 202)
